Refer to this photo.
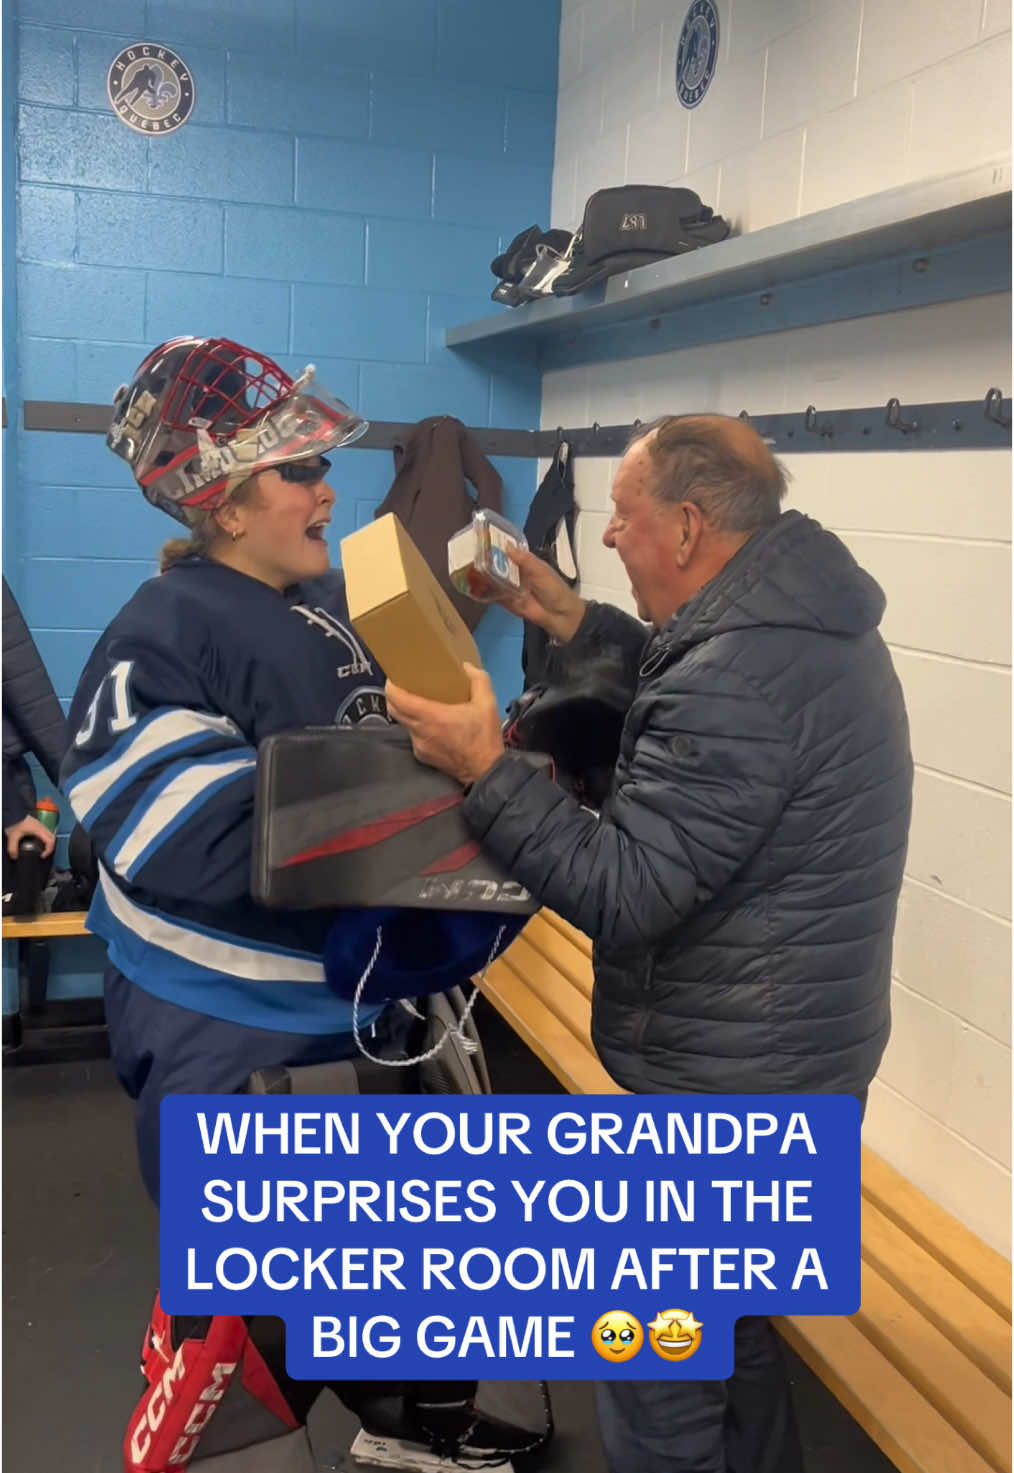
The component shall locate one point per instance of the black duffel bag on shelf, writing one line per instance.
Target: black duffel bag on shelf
(635, 225)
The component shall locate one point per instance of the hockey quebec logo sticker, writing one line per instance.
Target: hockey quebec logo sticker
(697, 52)
(150, 88)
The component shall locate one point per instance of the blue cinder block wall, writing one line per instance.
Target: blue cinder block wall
(347, 175)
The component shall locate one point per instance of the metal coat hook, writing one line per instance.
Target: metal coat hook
(895, 421)
(562, 454)
(812, 427)
(993, 409)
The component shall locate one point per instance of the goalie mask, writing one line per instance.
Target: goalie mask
(202, 415)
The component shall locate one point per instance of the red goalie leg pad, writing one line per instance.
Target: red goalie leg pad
(259, 1380)
(186, 1383)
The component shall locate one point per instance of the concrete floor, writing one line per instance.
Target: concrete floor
(80, 1260)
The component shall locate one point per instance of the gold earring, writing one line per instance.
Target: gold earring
(235, 536)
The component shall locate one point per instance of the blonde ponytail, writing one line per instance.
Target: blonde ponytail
(173, 552)
(205, 531)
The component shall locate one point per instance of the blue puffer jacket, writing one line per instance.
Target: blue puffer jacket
(741, 881)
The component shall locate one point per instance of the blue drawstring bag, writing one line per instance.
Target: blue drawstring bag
(411, 953)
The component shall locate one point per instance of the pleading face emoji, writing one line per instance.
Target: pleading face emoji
(674, 1334)
(617, 1336)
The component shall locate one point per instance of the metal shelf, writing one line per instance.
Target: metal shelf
(940, 239)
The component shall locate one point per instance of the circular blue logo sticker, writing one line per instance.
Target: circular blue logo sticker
(697, 52)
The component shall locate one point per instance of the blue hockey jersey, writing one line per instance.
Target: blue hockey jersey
(195, 671)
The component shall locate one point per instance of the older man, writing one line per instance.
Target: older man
(741, 880)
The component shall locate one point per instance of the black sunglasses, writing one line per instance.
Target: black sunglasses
(304, 472)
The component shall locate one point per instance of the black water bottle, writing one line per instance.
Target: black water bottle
(33, 867)
(31, 871)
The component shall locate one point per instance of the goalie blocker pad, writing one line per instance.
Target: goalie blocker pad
(348, 817)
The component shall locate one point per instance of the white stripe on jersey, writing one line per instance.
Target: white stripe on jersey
(91, 784)
(168, 802)
(232, 958)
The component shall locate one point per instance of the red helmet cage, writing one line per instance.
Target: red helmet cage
(204, 414)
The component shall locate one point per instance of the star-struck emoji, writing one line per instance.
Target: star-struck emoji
(675, 1334)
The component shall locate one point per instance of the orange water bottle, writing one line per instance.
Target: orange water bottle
(48, 814)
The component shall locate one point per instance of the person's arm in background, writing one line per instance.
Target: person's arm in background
(19, 798)
(29, 700)
(33, 721)
(18, 788)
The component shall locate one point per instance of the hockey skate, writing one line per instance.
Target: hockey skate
(415, 1433)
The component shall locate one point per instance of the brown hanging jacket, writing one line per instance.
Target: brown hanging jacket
(429, 495)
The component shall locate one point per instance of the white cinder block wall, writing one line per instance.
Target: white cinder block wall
(814, 103)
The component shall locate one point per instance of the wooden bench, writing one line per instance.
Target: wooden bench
(925, 1366)
(41, 928)
(42, 1029)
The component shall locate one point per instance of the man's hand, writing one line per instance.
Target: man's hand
(29, 828)
(462, 741)
(544, 598)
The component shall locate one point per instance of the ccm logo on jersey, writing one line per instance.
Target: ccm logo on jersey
(334, 629)
(205, 1405)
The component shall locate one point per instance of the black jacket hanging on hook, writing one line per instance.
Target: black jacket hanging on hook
(552, 513)
(431, 499)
